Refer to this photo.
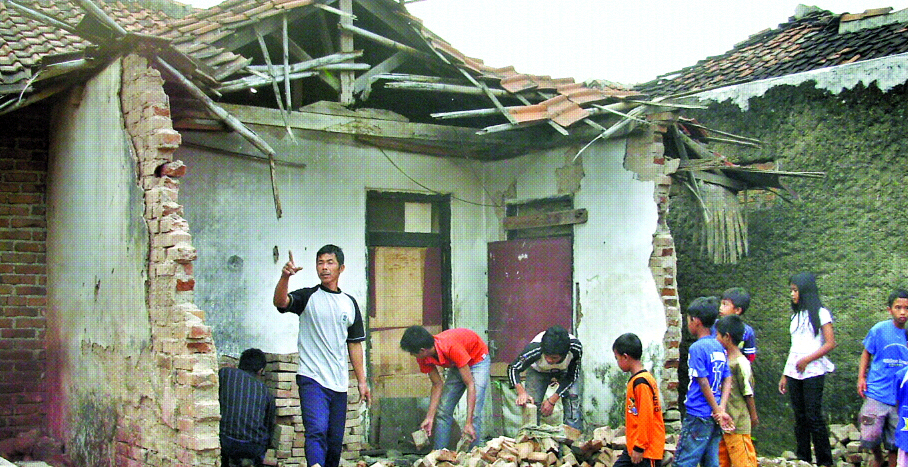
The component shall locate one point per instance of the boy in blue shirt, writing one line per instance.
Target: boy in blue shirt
(735, 302)
(900, 383)
(885, 353)
(710, 383)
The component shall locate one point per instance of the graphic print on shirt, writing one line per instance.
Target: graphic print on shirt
(715, 385)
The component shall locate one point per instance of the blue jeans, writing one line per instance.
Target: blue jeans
(324, 416)
(450, 395)
(698, 442)
(536, 385)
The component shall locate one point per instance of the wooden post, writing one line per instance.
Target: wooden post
(346, 45)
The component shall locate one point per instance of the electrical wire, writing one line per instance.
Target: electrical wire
(405, 174)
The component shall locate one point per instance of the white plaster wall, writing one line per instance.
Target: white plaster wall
(617, 293)
(97, 246)
(229, 206)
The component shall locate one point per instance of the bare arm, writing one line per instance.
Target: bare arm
(435, 397)
(467, 377)
(828, 345)
(281, 299)
(355, 349)
(862, 372)
(752, 409)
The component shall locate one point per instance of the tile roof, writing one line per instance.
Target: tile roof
(206, 36)
(819, 39)
(25, 41)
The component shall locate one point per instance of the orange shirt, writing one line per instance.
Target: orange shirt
(645, 427)
(456, 348)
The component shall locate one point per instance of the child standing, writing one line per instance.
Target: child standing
(901, 401)
(735, 302)
(812, 338)
(737, 448)
(710, 382)
(885, 352)
(643, 414)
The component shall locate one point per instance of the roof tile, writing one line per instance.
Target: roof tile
(802, 44)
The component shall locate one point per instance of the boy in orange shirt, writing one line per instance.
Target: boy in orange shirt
(643, 416)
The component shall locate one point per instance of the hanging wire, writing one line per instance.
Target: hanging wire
(405, 174)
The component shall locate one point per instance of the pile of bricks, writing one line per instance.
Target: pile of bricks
(846, 450)
(541, 446)
(288, 439)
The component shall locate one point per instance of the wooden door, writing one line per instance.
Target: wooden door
(407, 291)
(530, 289)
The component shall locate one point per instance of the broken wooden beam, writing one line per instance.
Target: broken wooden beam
(547, 219)
(449, 88)
(382, 40)
(232, 122)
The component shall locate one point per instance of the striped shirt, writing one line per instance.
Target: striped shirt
(567, 370)
(247, 407)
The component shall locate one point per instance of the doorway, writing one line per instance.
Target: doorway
(408, 237)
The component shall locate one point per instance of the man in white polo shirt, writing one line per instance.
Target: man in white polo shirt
(331, 328)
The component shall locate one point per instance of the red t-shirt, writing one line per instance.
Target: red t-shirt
(455, 348)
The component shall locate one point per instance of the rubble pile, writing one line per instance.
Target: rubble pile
(540, 446)
(846, 450)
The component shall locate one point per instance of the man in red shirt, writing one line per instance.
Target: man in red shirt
(466, 357)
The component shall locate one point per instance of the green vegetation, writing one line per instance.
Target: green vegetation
(845, 228)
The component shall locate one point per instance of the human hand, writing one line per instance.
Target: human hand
(546, 408)
(290, 268)
(365, 394)
(523, 397)
(801, 365)
(862, 386)
(636, 456)
(724, 420)
(469, 432)
(754, 421)
(426, 426)
(783, 383)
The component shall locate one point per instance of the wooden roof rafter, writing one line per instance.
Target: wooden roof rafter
(118, 32)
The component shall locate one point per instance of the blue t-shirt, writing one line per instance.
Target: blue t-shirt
(888, 347)
(901, 394)
(748, 343)
(706, 358)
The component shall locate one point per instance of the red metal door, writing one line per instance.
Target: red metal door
(529, 290)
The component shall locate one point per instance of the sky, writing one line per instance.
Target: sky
(628, 42)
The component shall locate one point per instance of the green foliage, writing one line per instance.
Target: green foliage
(845, 228)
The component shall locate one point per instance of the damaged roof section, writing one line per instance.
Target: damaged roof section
(290, 54)
(813, 39)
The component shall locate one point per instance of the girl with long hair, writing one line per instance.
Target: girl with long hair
(805, 370)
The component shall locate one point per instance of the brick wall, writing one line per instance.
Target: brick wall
(647, 148)
(23, 229)
(180, 428)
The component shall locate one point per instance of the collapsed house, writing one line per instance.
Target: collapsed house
(160, 161)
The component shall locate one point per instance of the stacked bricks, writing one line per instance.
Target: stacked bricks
(647, 146)
(182, 427)
(23, 276)
(845, 441)
(288, 439)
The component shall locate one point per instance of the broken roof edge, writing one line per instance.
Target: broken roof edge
(886, 72)
(441, 140)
